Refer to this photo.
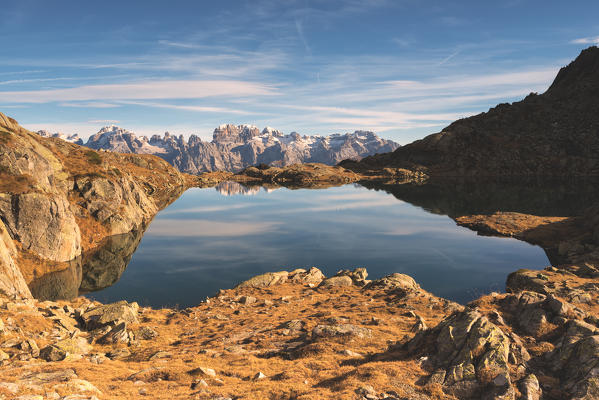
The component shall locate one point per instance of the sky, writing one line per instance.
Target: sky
(401, 68)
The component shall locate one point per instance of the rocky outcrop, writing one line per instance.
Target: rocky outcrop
(312, 276)
(12, 283)
(43, 224)
(469, 356)
(59, 202)
(552, 134)
(234, 148)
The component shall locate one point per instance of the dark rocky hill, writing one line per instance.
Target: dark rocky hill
(552, 134)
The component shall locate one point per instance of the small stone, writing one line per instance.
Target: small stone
(501, 380)
(368, 392)
(118, 354)
(118, 334)
(199, 384)
(40, 378)
(203, 371)
(160, 354)
(336, 281)
(14, 342)
(258, 376)
(3, 356)
(350, 353)
(52, 354)
(530, 389)
(97, 358)
(343, 330)
(247, 300)
(147, 333)
(77, 385)
(294, 324)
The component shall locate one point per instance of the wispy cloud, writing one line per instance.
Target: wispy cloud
(103, 121)
(203, 109)
(92, 104)
(449, 57)
(300, 33)
(144, 90)
(586, 40)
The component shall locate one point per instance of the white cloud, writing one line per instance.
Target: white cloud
(586, 40)
(204, 109)
(103, 121)
(173, 89)
(91, 104)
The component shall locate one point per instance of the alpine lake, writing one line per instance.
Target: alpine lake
(214, 238)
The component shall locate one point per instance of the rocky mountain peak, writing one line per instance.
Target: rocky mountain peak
(67, 138)
(271, 131)
(230, 133)
(582, 74)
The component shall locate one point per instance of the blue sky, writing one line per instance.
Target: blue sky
(402, 68)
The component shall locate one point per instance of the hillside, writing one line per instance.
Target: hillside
(553, 134)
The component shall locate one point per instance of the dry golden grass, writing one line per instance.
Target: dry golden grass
(238, 341)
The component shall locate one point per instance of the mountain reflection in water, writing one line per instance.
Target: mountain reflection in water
(205, 241)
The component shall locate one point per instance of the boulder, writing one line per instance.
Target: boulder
(342, 330)
(394, 281)
(470, 356)
(110, 314)
(313, 276)
(265, 280)
(337, 281)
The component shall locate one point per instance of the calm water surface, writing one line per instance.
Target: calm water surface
(207, 240)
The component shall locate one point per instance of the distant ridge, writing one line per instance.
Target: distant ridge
(235, 147)
(552, 134)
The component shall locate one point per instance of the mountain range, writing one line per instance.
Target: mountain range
(235, 147)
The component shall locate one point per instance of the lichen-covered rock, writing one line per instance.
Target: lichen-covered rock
(110, 314)
(341, 330)
(470, 355)
(357, 276)
(265, 280)
(530, 389)
(394, 282)
(311, 277)
(336, 281)
(43, 224)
